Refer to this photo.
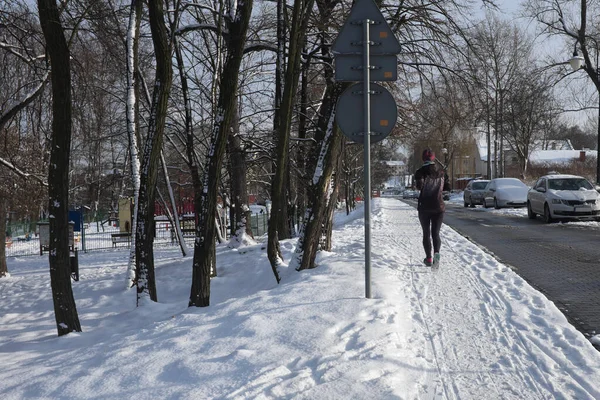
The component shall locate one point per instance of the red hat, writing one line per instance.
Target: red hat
(428, 155)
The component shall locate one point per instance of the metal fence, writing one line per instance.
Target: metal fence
(259, 223)
(25, 241)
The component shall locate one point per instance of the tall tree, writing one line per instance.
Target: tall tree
(300, 16)
(133, 110)
(65, 311)
(526, 110)
(323, 157)
(502, 53)
(145, 278)
(237, 21)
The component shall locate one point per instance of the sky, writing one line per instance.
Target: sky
(470, 329)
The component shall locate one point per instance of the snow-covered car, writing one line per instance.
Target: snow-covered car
(473, 193)
(563, 197)
(505, 192)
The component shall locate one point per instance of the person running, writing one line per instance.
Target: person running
(431, 180)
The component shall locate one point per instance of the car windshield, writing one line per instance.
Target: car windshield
(569, 184)
(509, 182)
(479, 185)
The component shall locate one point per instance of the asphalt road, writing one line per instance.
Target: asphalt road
(561, 260)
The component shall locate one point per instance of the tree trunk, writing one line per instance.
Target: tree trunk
(145, 280)
(204, 247)
(3, 211)
(302, 181)
(331, 205)
(239, 192)
(133, 131)
(319, 188)
(301, 12)
(65, 311)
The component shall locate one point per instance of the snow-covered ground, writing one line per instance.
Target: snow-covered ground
(472, 329)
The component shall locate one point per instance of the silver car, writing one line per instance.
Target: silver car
(473, 193)
(505, 192)
(563, 197)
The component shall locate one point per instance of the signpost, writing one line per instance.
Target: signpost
(365, 50)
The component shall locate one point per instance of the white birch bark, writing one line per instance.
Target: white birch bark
(132, 134)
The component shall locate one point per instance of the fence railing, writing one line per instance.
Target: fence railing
(95, 236)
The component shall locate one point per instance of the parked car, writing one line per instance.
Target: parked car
(473, 193)
(410, 194)
(563, 197)
(505, 192)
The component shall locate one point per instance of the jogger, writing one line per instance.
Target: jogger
(431, 181)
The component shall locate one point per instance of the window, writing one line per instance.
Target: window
(569, 184)
(541, 184)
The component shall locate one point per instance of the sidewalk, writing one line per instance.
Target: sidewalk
(485, 333)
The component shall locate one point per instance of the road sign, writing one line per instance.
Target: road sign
(350, 39)
(350, 118)
(349, 68)
(363, 45)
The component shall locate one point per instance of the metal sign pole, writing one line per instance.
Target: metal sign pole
(367, 149)
(347, 69)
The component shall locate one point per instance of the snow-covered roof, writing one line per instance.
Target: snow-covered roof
(392, 163)
(559, 156)
(538, 155)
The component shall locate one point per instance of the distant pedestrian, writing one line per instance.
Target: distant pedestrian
(431, 180)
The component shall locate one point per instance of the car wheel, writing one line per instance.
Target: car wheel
(466, 204)
(530, 212)
(496, 206)
(484, 203)
(547, 216)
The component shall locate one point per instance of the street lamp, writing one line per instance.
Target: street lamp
(577, 63)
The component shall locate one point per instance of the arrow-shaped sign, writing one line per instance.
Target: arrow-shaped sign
(350, 38)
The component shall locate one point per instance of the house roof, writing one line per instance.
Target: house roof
(538, 156)
(559, 156)
(395, 163)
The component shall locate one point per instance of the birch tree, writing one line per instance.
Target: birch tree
(132, 107)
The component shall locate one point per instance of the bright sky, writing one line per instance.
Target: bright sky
(472, 329)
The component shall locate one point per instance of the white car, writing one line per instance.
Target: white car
(505, 192)
(563, 197)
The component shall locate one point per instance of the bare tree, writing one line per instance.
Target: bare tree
(237, 20)
(65, 311)
(576, 24)
(145, 278)
(526, 111)
(300, 17)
